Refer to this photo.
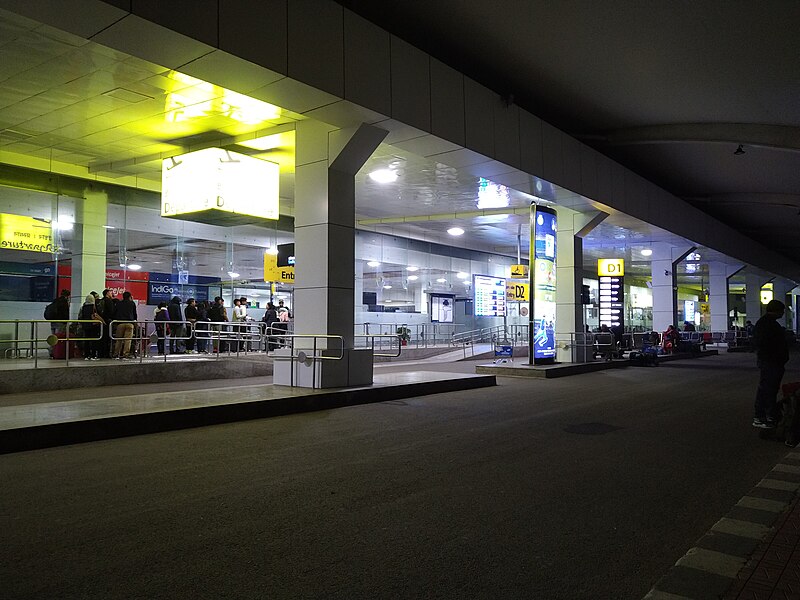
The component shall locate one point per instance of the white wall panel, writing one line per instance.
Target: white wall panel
(316, 39)
(605, 179)
(571, 149)
(479, 102)
(619, 198)
(230, 72)
(552, 155)
(367, 79)
(447, 103)
(411, 85)
(256, 31)
(530, 143)
(589, 160)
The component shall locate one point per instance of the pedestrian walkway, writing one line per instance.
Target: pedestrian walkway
(753, 553)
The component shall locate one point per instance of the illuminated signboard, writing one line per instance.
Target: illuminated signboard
(516, 291)
(490, 296)
(544, 285)
(442, 308)
(611, 291)
(519, 271)
(219, 187)
(18, 232)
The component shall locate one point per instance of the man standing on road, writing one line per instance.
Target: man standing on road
(769, 342)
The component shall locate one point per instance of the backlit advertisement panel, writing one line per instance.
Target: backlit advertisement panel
(544, 285)
(490, 296)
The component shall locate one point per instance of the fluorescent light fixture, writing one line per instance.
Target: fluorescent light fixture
(63, 224)
(108, 227)
(383, 175)
(647, 252)
(387, 301)
(455, 231)
(134, 267)
(233, 274)
(373, 263)
(273, 250)
(387, 287)
(412, 269)
(412, 277)
(441, 280)
(462, 275)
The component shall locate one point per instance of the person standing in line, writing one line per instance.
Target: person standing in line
(191, 314)
(126, 313)
(201, 327)
(218, 314)
(177, 329)
(772, 353)
(162, 328)
(269, 319)
(105, 309)
(239, 317)
(284, 316)
(88, 312)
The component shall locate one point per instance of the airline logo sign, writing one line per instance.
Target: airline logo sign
(519, 271)
(276, 274)
(517, 292)
(611, 267)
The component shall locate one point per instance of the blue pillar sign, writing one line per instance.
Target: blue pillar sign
(542, 338)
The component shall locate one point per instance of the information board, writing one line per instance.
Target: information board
(490, 296)
(442, 308)
(544, 285)
(612, 301)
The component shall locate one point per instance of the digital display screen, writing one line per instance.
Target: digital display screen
(490, 296)
(544, 285)
(612, 301)
(442, 309)
(285, 255)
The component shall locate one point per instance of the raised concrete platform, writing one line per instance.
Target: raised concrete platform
(523, 369)
(42, 425)
(18, 376)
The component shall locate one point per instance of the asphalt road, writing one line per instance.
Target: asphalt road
(583, 487)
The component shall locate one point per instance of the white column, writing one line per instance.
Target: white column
(327, 160)
(89, 246)
(663, 265)
(572, 227)
(719, 274)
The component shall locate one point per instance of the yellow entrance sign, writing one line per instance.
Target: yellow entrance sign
(517, 292)
(19, 232)
(611, 267)
(272, 272)
(519, 271)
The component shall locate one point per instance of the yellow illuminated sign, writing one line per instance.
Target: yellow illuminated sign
(517, 292)
(274, 273)
(611, 267)
(767, 294)
(519, 271)
(219, 186)
(19, 232)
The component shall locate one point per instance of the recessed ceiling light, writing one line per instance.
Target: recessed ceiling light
(412, 269)
(63, 224)
(455, 231)
(134, 267)
(273, 250)
(462, 275)
(373, 263)
(412, 277)
(232, 274)
(647, 252)
(108, 227)
(441, 280)
(383, 175)
(387, 301)
(387, 287)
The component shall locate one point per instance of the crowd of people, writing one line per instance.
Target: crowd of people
(192, 327)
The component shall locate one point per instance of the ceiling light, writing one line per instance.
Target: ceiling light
(462, 275)
(412, 269)
(108, 227)
(412, 277)
(455, 231)
(387, 287)
(273, 250)
(441, 280)
(647, 252)
(232, 274)
(373, 263)
(134, 267)
(63, 224)
(387, 301)
(739, 150)
(383, 175)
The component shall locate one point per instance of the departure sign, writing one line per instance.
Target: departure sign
(612, 301)
(544, 285)
(490, 296)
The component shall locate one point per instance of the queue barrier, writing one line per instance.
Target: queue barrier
(34, 340)
(309, 359)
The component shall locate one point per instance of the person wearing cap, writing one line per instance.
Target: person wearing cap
(772, 351)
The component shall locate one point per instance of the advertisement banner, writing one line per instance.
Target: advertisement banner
(544, 285)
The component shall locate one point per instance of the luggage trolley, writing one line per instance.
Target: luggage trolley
(503, 351)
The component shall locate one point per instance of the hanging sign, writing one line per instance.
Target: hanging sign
(517, 291)
(519, 271)
(18, 232)
(611, 267)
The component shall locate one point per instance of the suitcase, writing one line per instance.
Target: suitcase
(60, 349)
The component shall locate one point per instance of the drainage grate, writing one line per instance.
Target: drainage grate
(591, 428)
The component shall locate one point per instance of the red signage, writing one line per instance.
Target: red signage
(116, 280)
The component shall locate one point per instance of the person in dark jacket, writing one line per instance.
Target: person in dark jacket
(162, 328)
(91, 331)
(176, 327)
(201, 327)
(772, 351)
(191, 313)
(269, 319)
(125, 312)
(105, 308)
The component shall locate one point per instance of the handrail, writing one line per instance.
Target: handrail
(387, 336)
(51, 339)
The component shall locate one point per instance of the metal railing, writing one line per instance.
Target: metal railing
(419, 335)
(33, 343)
(381, 346)
(304, 357)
